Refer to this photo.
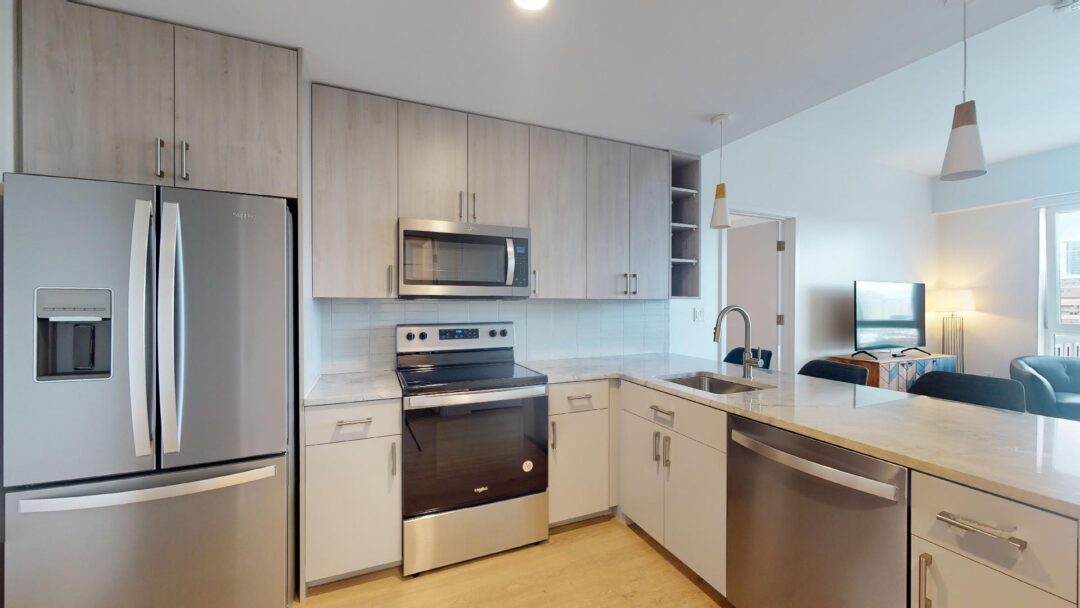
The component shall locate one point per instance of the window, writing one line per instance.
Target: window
(1062, 281)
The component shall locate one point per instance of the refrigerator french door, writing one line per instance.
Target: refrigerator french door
(145, 394)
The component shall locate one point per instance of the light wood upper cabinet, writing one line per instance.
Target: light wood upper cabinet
(650, 223)
(433, 153)
(236, 109)
(498, 172)
(354, 171)
(557, 213)
(608, 212)
(96, 93)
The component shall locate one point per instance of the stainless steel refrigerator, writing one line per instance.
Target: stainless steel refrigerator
(146, 395)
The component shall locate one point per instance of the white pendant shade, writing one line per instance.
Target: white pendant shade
(964, 156)
(721, 218)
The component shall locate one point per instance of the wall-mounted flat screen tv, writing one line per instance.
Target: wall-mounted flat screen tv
(889, 315)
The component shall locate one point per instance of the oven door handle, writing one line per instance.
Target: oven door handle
(428, 401)
(511, 262)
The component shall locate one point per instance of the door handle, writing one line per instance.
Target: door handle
(626, 276)
(130, 497)
(474, 206)
(925, 560)
(159, 147)
(536, 282)
(826, 473)
(667, 451)
(184, 147)
(656, 446)
(461, 205)
(140, 249)
(390, 280)
(979, 528)
(166, 327)
(634, 291)
(660, 410)
(358, 421)
(393, 459)
(554, 436)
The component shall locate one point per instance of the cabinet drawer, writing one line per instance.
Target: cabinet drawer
(699, 422)
(577, 397)
(1049, 559)
(954, 581)
(348, 421)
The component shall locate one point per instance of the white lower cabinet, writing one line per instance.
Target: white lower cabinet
(577, 465)
(954, 581)
(353, 506)
(675, 489)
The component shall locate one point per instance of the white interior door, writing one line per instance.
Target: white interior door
(753, 282)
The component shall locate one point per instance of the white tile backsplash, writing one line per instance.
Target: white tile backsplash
(358, 335)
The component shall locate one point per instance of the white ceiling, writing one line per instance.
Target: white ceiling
(645, 71)
(1024, 76)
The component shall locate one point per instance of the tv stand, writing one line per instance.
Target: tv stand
(898, 373)
(865, 352)
(907, 350)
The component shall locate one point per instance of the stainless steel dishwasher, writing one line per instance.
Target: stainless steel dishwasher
(811, 524)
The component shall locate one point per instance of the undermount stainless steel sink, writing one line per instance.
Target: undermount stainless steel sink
(714, 383)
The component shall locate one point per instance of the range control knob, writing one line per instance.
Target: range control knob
(423, 335)
(410, 336)
(493, 333)
(502, 333)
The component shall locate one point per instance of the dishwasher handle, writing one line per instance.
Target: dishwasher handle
(841, 478)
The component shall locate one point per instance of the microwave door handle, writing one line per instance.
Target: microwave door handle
(511, 262)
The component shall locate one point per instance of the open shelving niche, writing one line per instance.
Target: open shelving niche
(685, 225)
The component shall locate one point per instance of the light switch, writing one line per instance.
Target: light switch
(699, 314)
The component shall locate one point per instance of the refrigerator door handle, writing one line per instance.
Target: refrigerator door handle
(140, 247)
(166, 328)
(96, 501)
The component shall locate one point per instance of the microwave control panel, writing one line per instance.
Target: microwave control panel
(521, 262)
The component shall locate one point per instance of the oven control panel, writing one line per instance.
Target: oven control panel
(454, 336)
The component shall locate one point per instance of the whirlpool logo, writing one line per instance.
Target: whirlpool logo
(244, 215)
(480, 490)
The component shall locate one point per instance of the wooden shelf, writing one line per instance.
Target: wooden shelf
(680, 193)
(676, 261)
(679, 226)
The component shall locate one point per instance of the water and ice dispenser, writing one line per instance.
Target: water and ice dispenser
(74, 334)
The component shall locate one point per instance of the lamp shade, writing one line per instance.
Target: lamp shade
(721, 218)
(964, 156)
(952, 300)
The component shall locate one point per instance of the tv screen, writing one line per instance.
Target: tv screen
(889, 315)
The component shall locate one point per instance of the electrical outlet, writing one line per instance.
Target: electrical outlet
(699, 314)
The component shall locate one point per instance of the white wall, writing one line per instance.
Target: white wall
(855, 220)
(993, 251)
(7, 86)
(1045, 174)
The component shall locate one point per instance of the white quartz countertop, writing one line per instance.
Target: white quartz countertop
(348, 388)
(1030, 459)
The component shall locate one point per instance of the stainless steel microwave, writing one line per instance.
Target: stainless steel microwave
(458, 260)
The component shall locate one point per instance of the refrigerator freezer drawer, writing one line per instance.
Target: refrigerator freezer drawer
(205, 537)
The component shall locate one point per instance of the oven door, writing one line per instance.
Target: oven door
(451, 259)
(467, 449)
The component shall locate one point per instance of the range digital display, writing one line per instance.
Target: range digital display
(459, 334)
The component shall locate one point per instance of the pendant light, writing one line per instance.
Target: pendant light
(721, 217)
(964, 155)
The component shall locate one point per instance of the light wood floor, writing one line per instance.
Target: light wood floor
(593, 564)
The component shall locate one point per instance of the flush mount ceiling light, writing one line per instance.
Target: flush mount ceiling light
(721, 216)
(964, 156)
(531, 5)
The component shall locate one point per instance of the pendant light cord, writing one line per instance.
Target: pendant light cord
(965, 51)
(721, 151)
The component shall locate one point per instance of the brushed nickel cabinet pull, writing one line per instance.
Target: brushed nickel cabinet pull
(634, 291)
(579, 397)
(667, 451)
(393, 459)
(626, 276)
(656, 446)
(159, 169)
(978, 528)
(461, 205)
(660, 410)
(554, 436)
(358, 421)
(925, 560)
(536, 282)
(184, 147)
(474, 206)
